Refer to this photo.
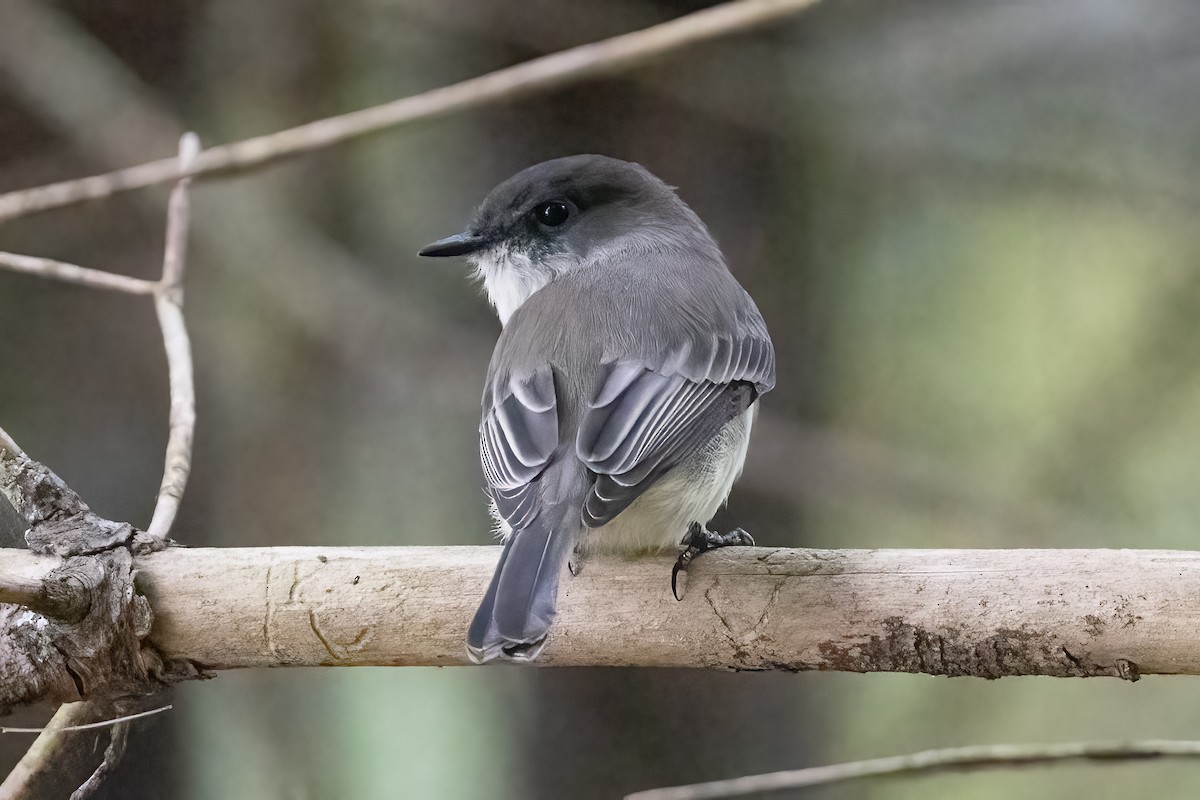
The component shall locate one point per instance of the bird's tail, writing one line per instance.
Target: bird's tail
(518, 607)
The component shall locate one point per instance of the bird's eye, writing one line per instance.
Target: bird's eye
(552, 214)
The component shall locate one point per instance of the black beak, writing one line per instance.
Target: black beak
(457, 245)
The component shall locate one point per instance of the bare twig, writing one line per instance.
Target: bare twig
(168, 303)
(45, 755)
(569, 66)
(92, 278)
(957, 758)
(49, 598)
(104, 723)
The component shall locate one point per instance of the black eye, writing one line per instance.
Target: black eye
(552, 214)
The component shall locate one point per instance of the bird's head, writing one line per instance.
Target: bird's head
(571, 213)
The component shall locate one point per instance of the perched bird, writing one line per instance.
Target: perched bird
(620, 395)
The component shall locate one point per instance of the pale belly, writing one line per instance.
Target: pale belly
(691, 492)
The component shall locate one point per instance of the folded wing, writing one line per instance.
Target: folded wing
(647, 418)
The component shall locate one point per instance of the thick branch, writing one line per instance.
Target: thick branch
(984, 613)
(569, 66)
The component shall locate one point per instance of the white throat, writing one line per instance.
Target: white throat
(509, 278)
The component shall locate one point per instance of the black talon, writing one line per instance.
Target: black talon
(700, 540)
(675, 574)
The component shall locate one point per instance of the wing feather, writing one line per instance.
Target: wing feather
(657, 398)
(647, 418)
(518, 435)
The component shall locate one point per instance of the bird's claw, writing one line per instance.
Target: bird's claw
(700, 540)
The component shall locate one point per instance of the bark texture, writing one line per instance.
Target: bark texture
(79, 634)
(982, 613)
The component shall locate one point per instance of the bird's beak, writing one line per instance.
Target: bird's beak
(457, 245)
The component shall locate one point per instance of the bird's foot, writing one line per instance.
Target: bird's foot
(700, 540)
(524, 651)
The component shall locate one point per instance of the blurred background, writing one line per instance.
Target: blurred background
(971, 228)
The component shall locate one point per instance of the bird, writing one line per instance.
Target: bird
(621, 393)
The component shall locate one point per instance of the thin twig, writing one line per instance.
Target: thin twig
(104, 723)
(47, 750)
(168, 303)
(956, 758)
(569, 66)
(92, 278)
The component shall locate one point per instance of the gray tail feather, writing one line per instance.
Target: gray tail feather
(518, 607)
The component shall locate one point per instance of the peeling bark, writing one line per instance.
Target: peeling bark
(81, 635)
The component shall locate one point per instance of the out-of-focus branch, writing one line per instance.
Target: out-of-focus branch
(168, 303)
(91, 278)
(540, 74)
(61, 73)
(955, 758)
(64, 596)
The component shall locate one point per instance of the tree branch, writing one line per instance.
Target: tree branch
(569, 66)
(168, 303)
(956, 758)
(982, 613)
(61, 598)
(69, 273)
(50, 755)
(61, 523)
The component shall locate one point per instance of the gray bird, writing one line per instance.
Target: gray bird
(620, 395)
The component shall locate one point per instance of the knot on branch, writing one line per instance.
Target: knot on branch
(78, 632)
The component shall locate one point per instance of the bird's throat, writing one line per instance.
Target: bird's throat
(509, 277)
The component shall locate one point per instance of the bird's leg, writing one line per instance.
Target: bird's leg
(700, 540)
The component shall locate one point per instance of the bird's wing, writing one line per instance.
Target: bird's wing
(648, 417)
(517, 439)
(655, 381)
